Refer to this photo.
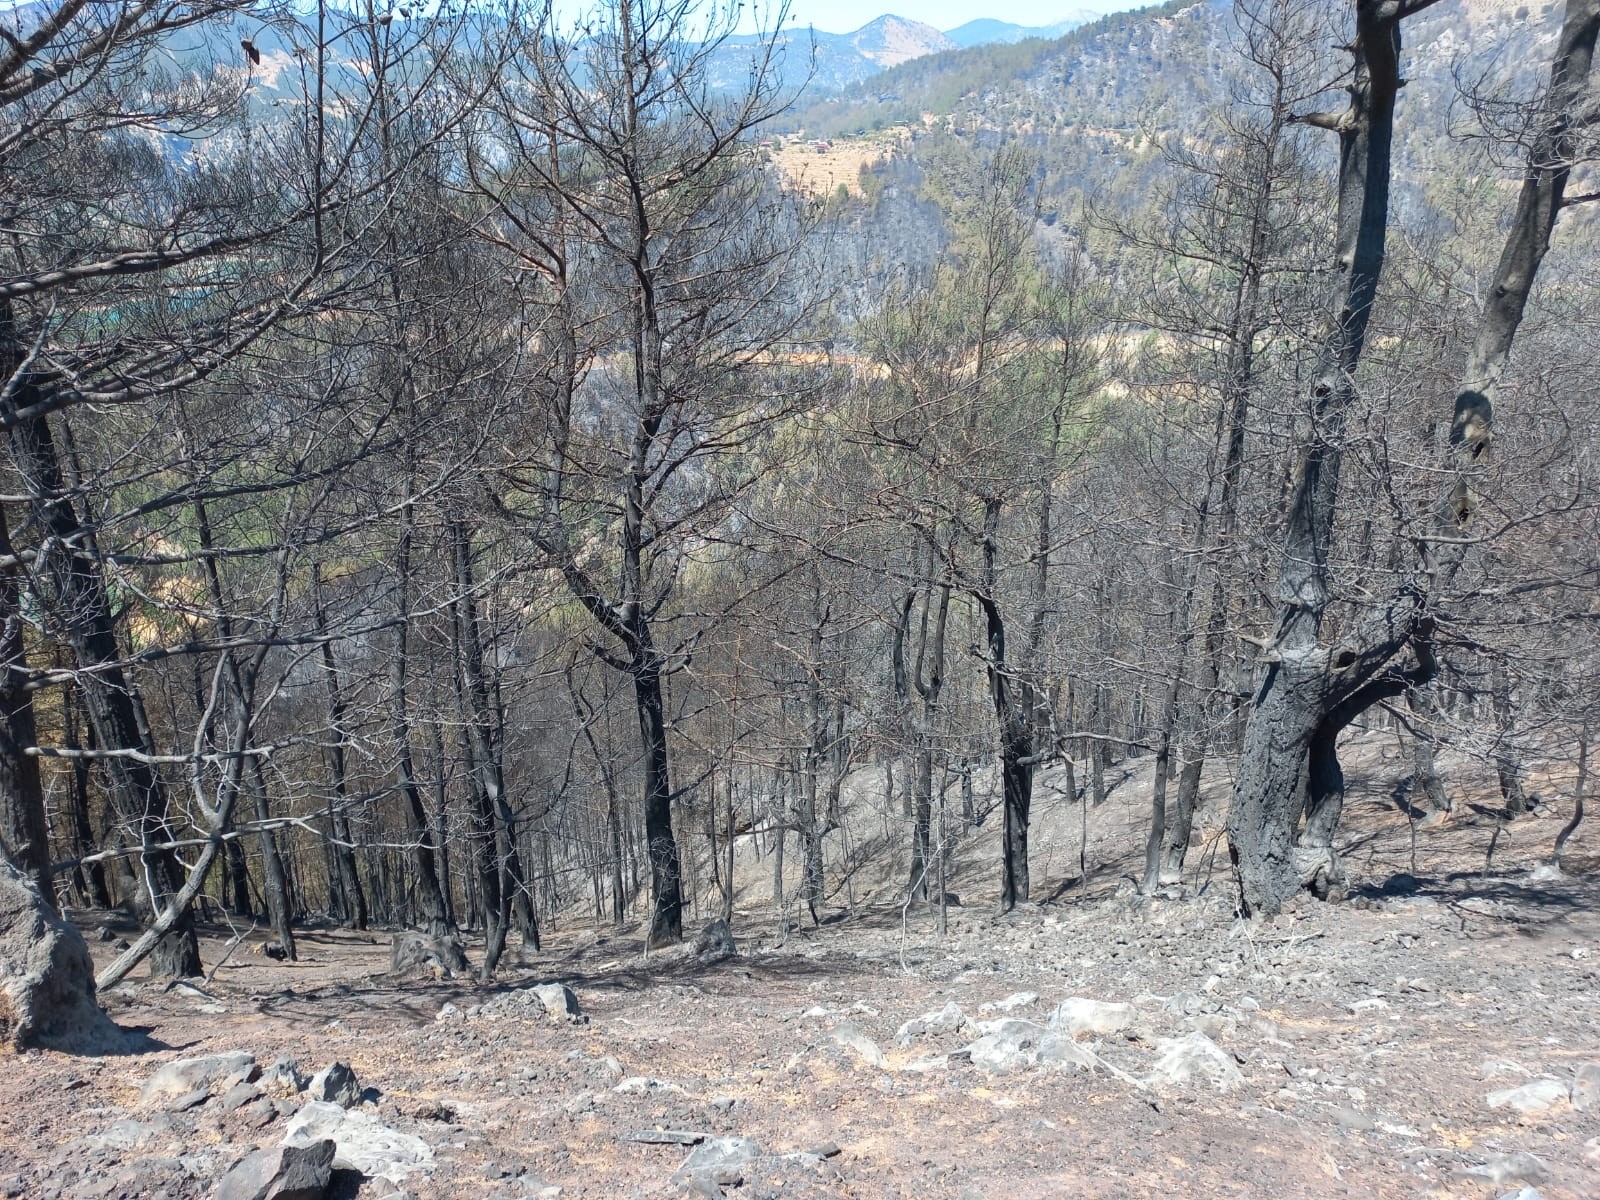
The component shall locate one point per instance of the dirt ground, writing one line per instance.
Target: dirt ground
(1368, 1037)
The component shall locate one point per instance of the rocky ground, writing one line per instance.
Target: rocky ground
(1437, 1035)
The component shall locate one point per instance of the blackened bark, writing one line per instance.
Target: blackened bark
(241, 682)
(1303, 680)
(352, 898)
(74, 597)
(24, 830)
(666, 912)
(1507, 759)
(430, 897)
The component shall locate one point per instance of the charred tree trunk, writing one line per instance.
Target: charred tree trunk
(79, 610)
(24, 829)
(1304, 681)
(430, 896)
(353, 899)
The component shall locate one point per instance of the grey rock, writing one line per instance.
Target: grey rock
(559, 1000)
(1077, 1015)
(1058, 1051)
(1186, 1004)
(715, 942)
(47, 995)
(283, 1076)
(849, 1035)
(259, 1113)
(362, 1142)
(644, 1085)
(239, 1095)
(1194, 1058)
(281, 1173)
(948, 1019)
(335, 1083)
(1535, 1096)
(1006, 1045)
(207, 1071)
(721, 1159)
(1011, 1003)
(1586, 1087)
(188, 1100)
(126, 1134)
(105, 934)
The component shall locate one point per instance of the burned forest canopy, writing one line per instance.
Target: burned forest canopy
(471, 473)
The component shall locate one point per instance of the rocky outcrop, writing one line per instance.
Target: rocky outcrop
(47, 996)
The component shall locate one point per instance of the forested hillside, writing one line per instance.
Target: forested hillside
(471, 476)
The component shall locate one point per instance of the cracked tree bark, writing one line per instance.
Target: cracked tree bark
(1310, 691)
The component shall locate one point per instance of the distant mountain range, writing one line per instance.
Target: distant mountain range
(837, 60)
(986, 30)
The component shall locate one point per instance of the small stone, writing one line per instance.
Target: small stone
(281, 1173)
(1536, 1096)
(336, 1084)
(581, 1103)
(105, 935)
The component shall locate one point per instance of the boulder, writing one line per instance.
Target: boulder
(720, 1159)
(1059, 1052)
(440, 956)
(1194, 1058)
(1011, 1003)
(283, 1077)
(715, 942)
(281, 1173)
(1535, 1096)
(47, 996)
(361, 1141)
(204, 1073)
(1077, 1015)
(949, 1019)
(1006, 1044)
(559, 1000)
(336, 1084)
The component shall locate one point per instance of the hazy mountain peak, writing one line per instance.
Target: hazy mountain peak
(891, 40)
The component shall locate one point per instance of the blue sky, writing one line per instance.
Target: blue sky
(842, 16)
